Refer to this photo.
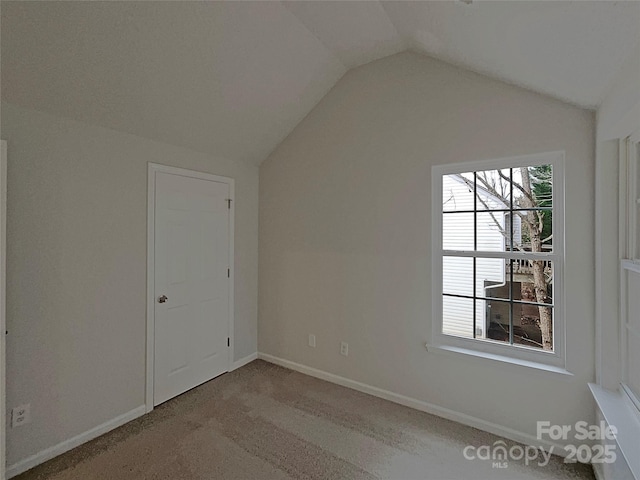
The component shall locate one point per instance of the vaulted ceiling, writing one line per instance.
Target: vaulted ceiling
(234, 78)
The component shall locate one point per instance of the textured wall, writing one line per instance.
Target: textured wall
(345, 235)
(76, 250)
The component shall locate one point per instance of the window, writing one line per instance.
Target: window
(498, 257)
(630, 267)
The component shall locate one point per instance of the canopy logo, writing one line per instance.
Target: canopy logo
(499, 454)
(588, 451)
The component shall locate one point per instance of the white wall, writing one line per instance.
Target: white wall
(76, 294)
(619, 112)
(345, 235)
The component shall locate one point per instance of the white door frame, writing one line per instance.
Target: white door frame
(153, 169)
(3, 298)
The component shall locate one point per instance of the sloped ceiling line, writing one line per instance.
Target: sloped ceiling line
(233, 79)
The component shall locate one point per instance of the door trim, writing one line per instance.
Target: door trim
(153, 169)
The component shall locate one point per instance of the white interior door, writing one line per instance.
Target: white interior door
(192, 270)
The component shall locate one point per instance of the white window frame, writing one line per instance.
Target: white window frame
(495, 350)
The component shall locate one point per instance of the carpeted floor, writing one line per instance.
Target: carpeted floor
(265, 422)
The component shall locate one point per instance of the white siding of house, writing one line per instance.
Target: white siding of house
(457, 275)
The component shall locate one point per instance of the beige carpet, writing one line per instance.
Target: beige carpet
(266, 422)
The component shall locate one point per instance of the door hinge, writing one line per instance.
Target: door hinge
(229, 203)
(228, 342)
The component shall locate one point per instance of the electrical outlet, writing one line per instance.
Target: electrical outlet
(344, 348)
(312, 340)
(21, 415)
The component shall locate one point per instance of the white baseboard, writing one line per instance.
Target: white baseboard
(243, 361)
(62, 447)
(51, 452)
(437, 410)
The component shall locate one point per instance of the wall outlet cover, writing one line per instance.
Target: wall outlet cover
(21, 415)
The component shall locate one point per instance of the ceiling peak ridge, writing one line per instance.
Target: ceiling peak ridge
(318, 39)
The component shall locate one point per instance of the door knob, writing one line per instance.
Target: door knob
(162, 299)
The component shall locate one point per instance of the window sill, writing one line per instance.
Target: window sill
(618, 412)
(448, 349)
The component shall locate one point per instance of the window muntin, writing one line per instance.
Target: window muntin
(496, 282)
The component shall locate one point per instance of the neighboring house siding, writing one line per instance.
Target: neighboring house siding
(458, 271)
